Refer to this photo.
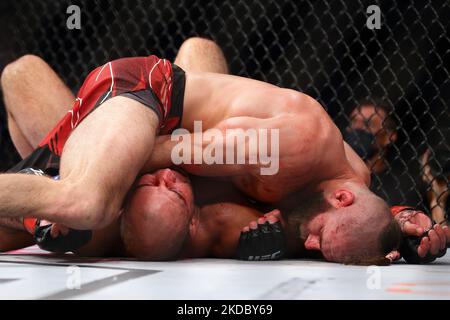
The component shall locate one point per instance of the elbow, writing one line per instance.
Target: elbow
(296, 101)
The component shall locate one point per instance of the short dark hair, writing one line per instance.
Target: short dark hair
(389, 121)
(391, 237)
(389, 240)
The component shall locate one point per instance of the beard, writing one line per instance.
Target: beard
(301, 210)
(298, 210)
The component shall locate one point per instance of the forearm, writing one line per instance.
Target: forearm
(13, 234)
(215, 152)
(12, 223)
(161, 155)
(12, 239)
(223, 223)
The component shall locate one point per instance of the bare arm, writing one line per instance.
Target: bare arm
(13, 240)
(221, 225)
(13, 235)
(92, 188)
(12, 223)
(225, 137)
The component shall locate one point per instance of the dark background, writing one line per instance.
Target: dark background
(322, 48)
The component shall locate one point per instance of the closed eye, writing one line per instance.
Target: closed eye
(178, 194)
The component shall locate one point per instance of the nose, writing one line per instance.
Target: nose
(167, 175)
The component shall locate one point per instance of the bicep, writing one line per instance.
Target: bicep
(232, 147)
(216, 151)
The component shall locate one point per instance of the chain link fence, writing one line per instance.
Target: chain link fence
(322, 48)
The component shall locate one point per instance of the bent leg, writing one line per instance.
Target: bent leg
(20, 142)
(201, 55)
(35, 99)
(37, 105)
(32, 108)
(152, 235)
(102, 158)
(100, 161)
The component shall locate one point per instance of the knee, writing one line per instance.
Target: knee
(196, 44)
(201, 55)
(14, 70)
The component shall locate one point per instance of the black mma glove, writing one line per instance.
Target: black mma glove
(74, 240)
(408, 250)
(410, 243)
(266, 242)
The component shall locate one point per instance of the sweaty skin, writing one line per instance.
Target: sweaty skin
(210, 230)
(311, 146)
(29, 125)
(311, 151)
(319, 146)
(160, 221)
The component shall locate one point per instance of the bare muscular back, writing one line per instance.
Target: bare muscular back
(311, 147)
(213, 97)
